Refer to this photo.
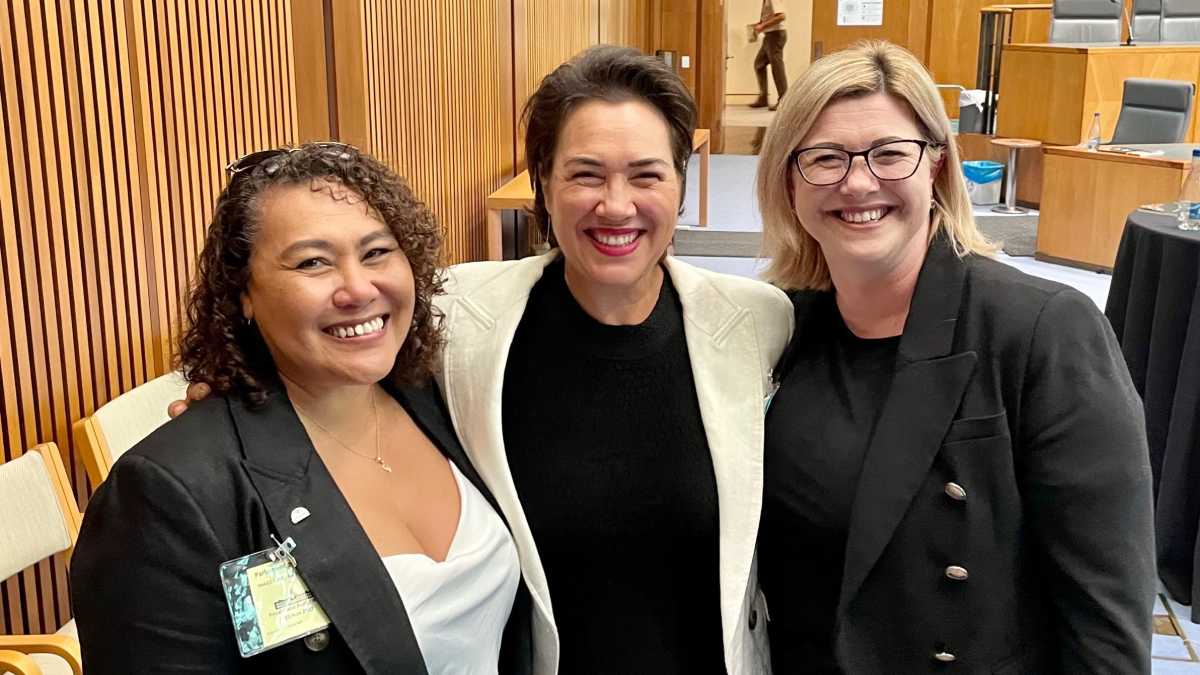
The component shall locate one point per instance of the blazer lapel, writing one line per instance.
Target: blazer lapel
(926, 391)
(730, 387)
(482, 316)
(333, 553)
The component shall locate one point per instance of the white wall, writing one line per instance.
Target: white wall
(740, 84)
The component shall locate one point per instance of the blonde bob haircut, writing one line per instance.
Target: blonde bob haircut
(862, 69)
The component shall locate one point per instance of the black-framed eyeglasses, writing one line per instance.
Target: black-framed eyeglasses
(274, 159)
(893, 160)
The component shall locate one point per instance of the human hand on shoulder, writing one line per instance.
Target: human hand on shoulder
(196, 391)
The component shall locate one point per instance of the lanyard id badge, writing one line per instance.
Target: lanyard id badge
(268, 601)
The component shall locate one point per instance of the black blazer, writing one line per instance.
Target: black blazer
(214, 485)
(1013, 388)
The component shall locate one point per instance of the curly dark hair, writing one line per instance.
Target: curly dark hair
(615, 75)
(219, 347)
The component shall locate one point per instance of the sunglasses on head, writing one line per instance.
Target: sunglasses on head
(270, 161)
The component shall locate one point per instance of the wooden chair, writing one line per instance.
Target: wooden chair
(121, 423)
(38, 519)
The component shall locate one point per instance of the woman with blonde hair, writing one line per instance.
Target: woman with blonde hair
(956, 468)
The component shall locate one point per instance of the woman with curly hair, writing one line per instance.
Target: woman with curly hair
(323, 455)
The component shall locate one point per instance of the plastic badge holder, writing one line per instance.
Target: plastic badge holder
(983, 181)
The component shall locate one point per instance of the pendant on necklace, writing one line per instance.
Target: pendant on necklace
(383, 465)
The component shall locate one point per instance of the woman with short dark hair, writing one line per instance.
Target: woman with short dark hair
(612, 396)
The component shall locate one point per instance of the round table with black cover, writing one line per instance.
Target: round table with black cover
(1154, 308)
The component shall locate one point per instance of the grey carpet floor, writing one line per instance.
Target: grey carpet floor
(1017, 234)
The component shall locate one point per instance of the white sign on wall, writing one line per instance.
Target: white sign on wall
(860, 13)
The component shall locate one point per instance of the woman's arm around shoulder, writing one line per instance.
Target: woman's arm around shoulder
(1084, 474)
(145, 585)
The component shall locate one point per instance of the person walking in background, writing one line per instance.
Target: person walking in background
(770, 25)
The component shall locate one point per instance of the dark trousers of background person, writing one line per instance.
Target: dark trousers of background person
(771, 52)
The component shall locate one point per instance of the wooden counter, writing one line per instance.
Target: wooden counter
(1087, 195)
(1049, 92)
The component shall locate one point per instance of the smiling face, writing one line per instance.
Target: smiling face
(330, 290)
(866, 226)
(613, 194)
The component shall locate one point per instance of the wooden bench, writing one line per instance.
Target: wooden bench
(517, 194)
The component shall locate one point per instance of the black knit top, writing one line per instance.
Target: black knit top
(608, 452)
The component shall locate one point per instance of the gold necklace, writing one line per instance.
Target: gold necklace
(378, 458)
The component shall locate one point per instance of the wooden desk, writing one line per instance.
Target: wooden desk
(517, 194)
(1050, 91)
(1087, 196)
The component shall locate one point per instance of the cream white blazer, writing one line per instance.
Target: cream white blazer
(735, 329)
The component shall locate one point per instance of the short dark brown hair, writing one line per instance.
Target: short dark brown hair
(611, 74)
(220, 348)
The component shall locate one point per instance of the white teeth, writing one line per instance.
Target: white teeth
(615, 240)
(364, 328)
(862, 216)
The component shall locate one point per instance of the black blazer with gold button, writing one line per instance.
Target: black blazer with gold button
(1002, 520)
(214, 485)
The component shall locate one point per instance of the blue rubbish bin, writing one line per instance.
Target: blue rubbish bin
(984, 179)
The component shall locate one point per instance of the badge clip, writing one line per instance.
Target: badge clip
(283, 551)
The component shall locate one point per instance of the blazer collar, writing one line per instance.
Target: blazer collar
(333, 553)
(925, 394)
(933, 313)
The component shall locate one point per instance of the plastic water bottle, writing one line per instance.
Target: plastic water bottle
(1189, 196)
(1093, 141)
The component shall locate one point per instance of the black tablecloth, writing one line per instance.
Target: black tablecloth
(1154, 308)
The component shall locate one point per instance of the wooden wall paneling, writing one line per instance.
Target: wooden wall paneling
(349, 65)
(550, 33)
(16, 350)
(162, 130)
(903, 24)
(177, 146)
(82, 247)
(919, 29)
(710, 72)
(149, 106)
(952, 43)
(311, 78)
(59, 65)
(79, 280)
(126, 180)
(1030, 25)
(441, 116)
(680, 33)
(58, 252)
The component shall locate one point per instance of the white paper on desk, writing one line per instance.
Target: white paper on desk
(1122, 150)
(860, 13)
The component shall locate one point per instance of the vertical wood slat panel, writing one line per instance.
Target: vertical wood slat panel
(441, 115)
(117, 117)
(551, 31)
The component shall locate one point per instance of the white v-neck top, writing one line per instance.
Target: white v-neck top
(459, 607)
